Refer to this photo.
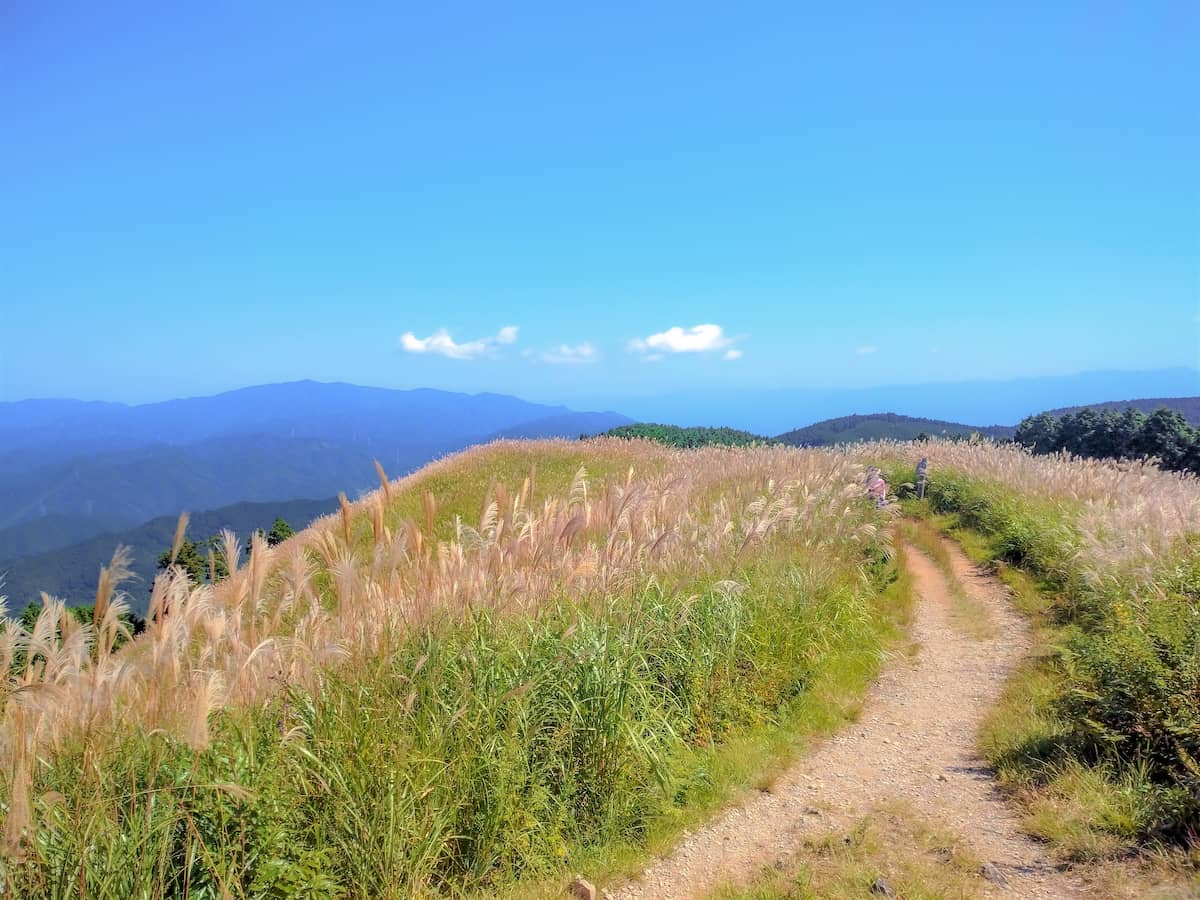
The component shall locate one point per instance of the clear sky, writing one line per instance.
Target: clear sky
(591, 198)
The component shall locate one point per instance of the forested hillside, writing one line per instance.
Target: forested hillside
(884, 426)
(1188, 407)
(675, 436)
(1164, 434)
(70, 572)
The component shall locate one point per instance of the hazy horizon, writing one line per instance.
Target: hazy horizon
(777, 409)
(1186, 371)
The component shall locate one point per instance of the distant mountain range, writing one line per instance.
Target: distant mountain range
(70, 572)
(71, 469)
(76, 477)
(884, 426)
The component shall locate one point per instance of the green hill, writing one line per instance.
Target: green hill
(884, 426)
(675, 436)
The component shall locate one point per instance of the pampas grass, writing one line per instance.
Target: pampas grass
(604, 547)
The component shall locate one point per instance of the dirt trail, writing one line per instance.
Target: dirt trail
(914, 742)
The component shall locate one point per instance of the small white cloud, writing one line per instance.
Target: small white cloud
(733, 354)
(697, 339)
(570, 355)
(865, 351)
(442, 344)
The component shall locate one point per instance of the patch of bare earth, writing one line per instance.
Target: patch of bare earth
(914, 744)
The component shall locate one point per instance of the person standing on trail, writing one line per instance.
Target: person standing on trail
(876, 487)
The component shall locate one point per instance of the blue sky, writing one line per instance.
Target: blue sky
(537, 195)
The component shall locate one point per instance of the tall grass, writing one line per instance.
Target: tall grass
(460, 679)
(1111, 714)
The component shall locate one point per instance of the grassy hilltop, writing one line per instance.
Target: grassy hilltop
(538, 657)
(519, 655)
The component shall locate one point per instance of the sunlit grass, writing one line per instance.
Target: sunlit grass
(521, 659)
(894, 845)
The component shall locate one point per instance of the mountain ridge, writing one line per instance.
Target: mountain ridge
(70, 572)
(119, 464)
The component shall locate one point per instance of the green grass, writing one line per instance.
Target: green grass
(485, 755)
(919, 860)
(459, 488)
(755, 758)
(1076, 734)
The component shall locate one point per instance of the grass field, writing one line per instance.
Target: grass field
(538, 657)
(524, 656)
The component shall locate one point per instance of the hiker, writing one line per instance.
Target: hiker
(876, 487)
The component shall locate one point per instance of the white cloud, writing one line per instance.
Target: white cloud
(567, 354)
(697, 339)
(865, 351)
(442, 344)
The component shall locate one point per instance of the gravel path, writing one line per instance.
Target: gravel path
(914, 742)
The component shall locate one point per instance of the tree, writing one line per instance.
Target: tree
(1166, 435)
(1039, 433)
(200, 559)
(1125, 431)
(280, 532)
(82, 614)
(1081, 433)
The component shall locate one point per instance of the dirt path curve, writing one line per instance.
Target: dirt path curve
(914, 742)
